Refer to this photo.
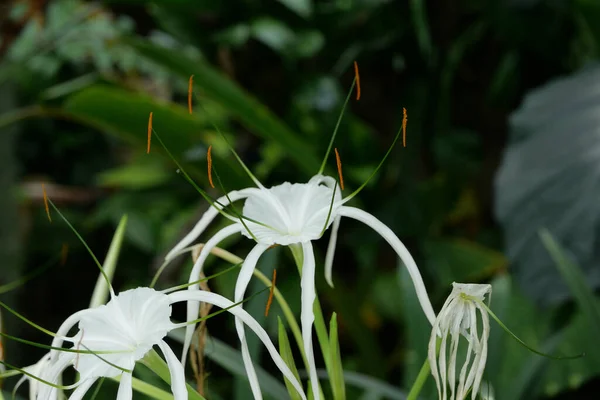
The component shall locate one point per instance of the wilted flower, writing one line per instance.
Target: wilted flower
(112, 337)
(457, 317)
(290, 214)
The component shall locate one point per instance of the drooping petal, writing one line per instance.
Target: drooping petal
(63, 330)
(240, 289)
(125, 387)
(432, 356)
(82, 389)
(178, 387)
(220, 301)
(307, 315)
(207, 218)
(331, 251)
(400, 249)
(52, 373)
(192, 307)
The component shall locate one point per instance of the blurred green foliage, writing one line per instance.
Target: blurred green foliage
(272, 76)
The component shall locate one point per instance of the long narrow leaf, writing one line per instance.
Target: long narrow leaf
(338, 387)
(288, 357)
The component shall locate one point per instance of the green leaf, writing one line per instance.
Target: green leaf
(145, 172)
(254, 115)
(286, 353)
(125, 114)
(338, 387)
(159, 366)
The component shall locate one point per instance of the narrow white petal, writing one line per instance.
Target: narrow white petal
(442, 365)
(125, 387)
(220, 301)
(177, 372)
(479, 364)
(400, 249)
(206, 219)
(432, 356)
(192, 307)
(52, 373)
(63, 330)
(307, 315)
(82, 389)
(331, 251)
(240, 289)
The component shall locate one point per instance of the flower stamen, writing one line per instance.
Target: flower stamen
(190, 86)
(404, 122)
(209, 161)
(149, 132)
(46, 203)
(357, 78)
(77, 347)
(338, 161)
(270, 300)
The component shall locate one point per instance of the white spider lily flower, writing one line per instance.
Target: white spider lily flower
(457, 317)
(290, 214)
(121, 332)
(35, 370)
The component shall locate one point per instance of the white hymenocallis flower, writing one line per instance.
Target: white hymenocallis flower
(289, 214)
(458, 317)
(116, 335)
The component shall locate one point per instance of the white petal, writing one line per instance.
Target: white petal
(206, 219)
(64, 329)
(400, 249)
(220, 301)
(432, 356)
(307, 315)
(178, 387)
(192, 307)
(52, 373)
(331, 251)
(125, 387)
(240, 289)
(82, 389)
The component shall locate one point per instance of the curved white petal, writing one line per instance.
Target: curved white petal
(220, 301)
(125, 387)
(52, 373)
(400, 249)
(307, 315)
(82, 389)
(240, 289)
(331, 251)
(178, 387)
(192, 307)
(64, 329)
(207, 218)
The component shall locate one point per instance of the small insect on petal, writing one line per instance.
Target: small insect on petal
(190, 86)
(46, 203)
(209, 160)
(64, 252)
(271, 293)
(404, 121)
(149, 132)
(339, 167)
(357, 77)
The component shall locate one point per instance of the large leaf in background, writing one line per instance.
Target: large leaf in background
(216, 86)
(550, 177)
(125, 114)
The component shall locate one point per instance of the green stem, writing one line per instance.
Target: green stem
(420, 381)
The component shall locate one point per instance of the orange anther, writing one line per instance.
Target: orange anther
(149, 132)
(271, 293)
(46, 203)
(338, 160)
(209, 160)
(190, 86)
(404, 121)
(357, 77)
(64, 252)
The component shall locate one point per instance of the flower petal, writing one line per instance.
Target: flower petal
(192, 307)
(220, 301)
(125, 387)
(240, 289)
(307, 315)
(82, 389)
(400, 249)
(178, 386)
(331, 251)
(207, 218)
(63, 330)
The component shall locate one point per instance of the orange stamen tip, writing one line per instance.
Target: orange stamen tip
(149, 132)
(357, 77)
(270, 300)
(190, 91)
(338, 160)
(209, 160)
(404, 122)
(64, 252)
(46, 203)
